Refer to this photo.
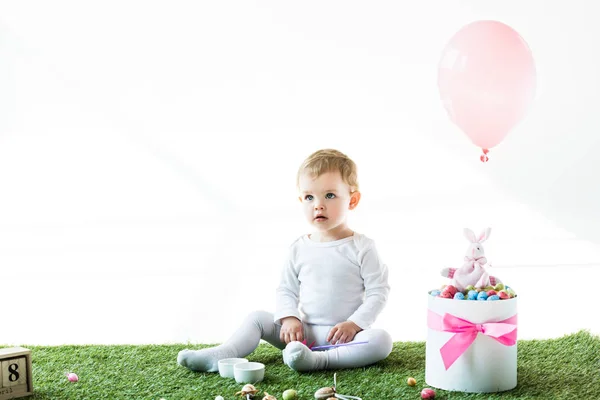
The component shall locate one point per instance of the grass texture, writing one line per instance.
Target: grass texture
(562, 368)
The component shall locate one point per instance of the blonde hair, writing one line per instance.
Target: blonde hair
(330, 160)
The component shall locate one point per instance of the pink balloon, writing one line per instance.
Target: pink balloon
(486, 79)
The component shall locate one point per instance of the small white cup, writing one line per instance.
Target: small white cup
(226, 366)
(249, 372)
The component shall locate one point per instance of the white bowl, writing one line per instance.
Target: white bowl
(250, 372)
(226, 366)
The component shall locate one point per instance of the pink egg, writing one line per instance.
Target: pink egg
(452, 289)
(72, 377)
(491, 292)
(427, 393)
(446, 295)
(503, 295)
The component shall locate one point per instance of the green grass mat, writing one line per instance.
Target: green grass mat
(562, 368)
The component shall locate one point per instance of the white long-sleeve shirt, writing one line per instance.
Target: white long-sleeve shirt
(325, 283)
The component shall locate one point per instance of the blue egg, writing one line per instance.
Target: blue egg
(459, 296)
(494, 297)
(472, 295)
(482, 295)
(435, 292)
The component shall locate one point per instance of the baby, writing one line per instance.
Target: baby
(333, 284)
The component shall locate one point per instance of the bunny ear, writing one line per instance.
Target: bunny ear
(484, 235)
(470, 235)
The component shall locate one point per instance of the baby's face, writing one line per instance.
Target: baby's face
(325, 199)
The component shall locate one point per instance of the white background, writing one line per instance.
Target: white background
(148, 153)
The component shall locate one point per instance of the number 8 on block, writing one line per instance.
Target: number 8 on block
(15, 373)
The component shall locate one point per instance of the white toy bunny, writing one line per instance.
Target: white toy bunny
(472, 272)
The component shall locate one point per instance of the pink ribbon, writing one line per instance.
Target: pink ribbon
(465, 333)
(470, 261)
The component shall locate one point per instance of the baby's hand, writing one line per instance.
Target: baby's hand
(343, 332)
(291, 330)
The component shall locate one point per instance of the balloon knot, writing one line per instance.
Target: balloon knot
(484, 157)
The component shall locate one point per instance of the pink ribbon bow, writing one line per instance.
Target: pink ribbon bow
(465, 333)
(470, 261)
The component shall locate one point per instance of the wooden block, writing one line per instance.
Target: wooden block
(15, 373)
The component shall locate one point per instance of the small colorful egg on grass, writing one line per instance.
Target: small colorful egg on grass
(290, 394)
(493, 297)
(482, 296)
(459, 296)
(427, 393)
(72, 377)
(411, 381)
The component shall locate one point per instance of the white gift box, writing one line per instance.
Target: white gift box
(489, 362)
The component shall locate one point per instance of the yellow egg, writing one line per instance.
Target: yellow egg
(411, 381)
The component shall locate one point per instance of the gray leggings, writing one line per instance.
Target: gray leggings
(260, 325)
